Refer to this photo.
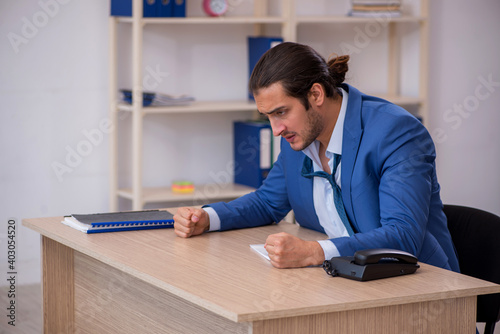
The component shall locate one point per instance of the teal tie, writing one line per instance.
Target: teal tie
(307, 171)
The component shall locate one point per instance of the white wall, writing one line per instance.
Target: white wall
(465, 53)
(53, 86)
(53, 89)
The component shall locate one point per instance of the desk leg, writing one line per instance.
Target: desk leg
(57, 287)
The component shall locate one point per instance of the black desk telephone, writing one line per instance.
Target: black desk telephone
(370, 264)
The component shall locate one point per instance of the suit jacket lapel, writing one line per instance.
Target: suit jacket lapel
(351, 140)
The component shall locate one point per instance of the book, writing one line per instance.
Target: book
(172, 100)
(375, 8)
(120, 221)
(377, 2)
(375, 14)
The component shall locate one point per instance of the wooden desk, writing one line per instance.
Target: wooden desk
(155, 282)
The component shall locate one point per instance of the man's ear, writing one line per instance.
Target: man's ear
(317, 94)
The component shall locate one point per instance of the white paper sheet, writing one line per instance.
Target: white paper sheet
(259, 248)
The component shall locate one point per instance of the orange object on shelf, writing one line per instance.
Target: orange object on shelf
(183, 187)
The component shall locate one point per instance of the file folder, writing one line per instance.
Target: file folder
(151, 8)
(179, 8)
(257, 46)
(124, 8)
(165, 8)
(252, 152)
(276, 149)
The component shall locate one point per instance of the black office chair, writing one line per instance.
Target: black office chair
(476, 235)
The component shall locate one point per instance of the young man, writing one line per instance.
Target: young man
(358, 168)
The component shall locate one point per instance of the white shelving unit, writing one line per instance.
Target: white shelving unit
(289, 23)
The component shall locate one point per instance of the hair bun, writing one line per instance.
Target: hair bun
(338, 68)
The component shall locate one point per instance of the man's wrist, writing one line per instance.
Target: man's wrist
(329, 249)
(317, 253)
(213, 219)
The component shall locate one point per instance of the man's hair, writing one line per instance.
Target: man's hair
(297, 67)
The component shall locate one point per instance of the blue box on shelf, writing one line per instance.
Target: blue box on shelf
(178, 8)
(147, 97)
(257, 46)
(151, 8)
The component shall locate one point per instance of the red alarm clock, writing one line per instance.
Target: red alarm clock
(215, 7)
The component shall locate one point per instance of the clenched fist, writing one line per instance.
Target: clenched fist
(288, 251)
(189, 222)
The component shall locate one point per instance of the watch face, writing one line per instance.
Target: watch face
(215, 7)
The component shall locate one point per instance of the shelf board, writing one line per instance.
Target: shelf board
(353, 19)
(197, 107)
(268, 19)
(203, 193)
(207, 20)
(240, 105)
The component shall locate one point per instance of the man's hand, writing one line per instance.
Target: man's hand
(189, 222)
(288, 251)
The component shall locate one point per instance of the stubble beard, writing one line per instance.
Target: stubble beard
(315, 126)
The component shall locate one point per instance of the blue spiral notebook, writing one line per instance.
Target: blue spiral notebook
(120, 221)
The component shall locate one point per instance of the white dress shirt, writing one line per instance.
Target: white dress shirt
(324, 204)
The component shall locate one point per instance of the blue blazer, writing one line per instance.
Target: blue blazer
(388, 181)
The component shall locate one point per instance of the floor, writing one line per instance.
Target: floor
(29, 311)
(28, 316)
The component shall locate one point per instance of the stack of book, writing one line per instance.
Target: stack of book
(157, 99)
(376, 8)
(171, 100)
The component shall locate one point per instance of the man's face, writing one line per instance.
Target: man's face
(288, 116)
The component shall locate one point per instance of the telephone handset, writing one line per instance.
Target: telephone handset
(371, 256)
(370, 264)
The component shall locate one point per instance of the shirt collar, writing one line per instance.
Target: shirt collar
(335, 144)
